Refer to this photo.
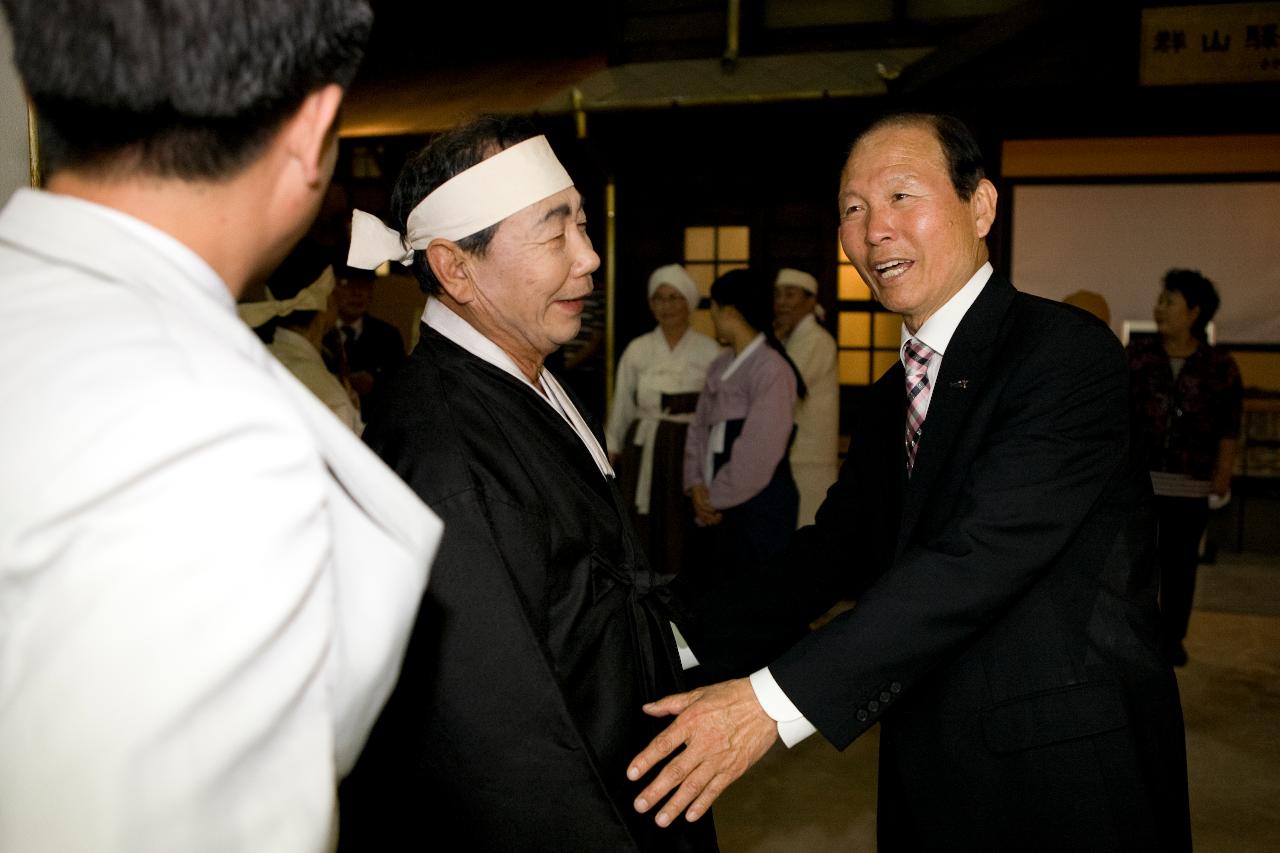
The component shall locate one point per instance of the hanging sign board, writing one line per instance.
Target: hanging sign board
(1230, 43)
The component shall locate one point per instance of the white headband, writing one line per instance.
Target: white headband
(469, 202)
(796, 278)
(313, 297)
(679, 278)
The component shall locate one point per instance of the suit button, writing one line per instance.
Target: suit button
(873, 706)
(895, 687)
(862, 716)
(885, 697)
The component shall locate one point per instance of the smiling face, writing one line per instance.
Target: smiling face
(669, 307)
(915, 241)
(530, 284)
(791, 304)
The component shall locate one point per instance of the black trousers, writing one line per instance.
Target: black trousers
(1180, 524)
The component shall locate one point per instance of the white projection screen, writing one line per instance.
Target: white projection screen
(1120, 239)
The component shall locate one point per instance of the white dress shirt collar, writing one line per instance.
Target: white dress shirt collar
(937, 331)
(439, 317)
(356, 326)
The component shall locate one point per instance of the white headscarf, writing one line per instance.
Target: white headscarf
(797, 278)
(679, 278)
(804, 281)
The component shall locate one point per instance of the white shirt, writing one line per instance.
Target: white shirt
(356, 327)
(816, 449)
(936, 333)
(813, 351)
(648, 369)
(304, 361)
(206, 581)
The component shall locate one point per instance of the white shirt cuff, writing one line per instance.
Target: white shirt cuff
(792, 726)
(688, 660)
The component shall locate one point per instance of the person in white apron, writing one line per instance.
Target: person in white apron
(658, 381)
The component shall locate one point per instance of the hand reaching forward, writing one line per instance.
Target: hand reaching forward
(724, 731)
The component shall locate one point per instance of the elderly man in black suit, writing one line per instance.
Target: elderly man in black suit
(995, 523)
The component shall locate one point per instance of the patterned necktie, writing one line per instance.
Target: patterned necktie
(916, 358)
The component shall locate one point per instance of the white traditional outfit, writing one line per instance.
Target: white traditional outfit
(653, 402)
(298, 354)
(304, 361)
(206, 581)
(816, 449)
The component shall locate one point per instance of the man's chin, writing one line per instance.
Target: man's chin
(566, 334)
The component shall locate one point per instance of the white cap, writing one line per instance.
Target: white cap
(679, 278)
(797, 278)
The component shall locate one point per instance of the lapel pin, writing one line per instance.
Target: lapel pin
(958, 383)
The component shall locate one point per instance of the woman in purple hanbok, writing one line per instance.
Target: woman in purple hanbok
(735, 462)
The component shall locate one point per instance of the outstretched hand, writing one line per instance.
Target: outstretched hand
(724, 732)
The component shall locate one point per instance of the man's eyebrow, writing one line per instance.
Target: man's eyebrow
(558, 212)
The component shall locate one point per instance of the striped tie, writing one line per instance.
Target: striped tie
(916, 358)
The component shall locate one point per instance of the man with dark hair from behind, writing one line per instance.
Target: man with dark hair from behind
(206, 581)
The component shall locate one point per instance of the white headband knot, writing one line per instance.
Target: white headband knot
(469, 202)
(313, 297)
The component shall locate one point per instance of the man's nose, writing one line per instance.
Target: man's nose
(585, 259)
(879, 225)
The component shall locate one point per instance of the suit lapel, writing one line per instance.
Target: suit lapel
(963, 376)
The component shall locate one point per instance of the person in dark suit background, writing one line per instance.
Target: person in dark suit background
(372, 348)
(996, 526)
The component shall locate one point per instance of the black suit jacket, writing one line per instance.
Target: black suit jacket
(378, 350)
(1005, 630)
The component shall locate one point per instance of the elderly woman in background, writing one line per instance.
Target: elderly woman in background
(659, 377)
(1187, 399)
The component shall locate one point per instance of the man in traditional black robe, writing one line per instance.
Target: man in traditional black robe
(538, 640)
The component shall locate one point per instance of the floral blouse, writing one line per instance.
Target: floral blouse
(1179, 420)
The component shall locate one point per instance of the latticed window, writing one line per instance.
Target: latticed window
(866, 334)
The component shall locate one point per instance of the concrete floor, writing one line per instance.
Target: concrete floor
(814, 799)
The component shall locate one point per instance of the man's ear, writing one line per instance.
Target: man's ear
(452, 269)
(983, 205)
(311, 131)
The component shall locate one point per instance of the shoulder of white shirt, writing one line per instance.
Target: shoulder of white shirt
(937, 331)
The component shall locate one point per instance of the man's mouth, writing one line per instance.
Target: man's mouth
(893, 268)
